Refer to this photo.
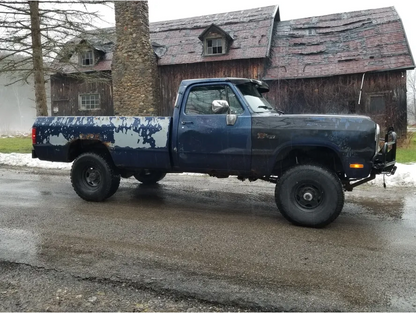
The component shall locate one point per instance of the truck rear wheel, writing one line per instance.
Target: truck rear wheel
(309, 195)
(149, 177)
(93, 177)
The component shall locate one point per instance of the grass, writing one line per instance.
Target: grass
(15, 144)
(406, 152)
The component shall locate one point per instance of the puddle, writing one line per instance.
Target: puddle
(17, 245)
(399, 204)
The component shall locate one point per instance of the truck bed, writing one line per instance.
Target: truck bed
(138, 142)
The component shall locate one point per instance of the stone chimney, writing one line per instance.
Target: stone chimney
(134, 67)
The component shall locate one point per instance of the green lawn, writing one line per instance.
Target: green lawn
(15, 144)
(405, 154)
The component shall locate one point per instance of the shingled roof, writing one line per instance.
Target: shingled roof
(251, 31)
(336, 44)
(339, 44)
(178, 41)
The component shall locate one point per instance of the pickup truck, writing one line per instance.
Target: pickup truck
(224, 127)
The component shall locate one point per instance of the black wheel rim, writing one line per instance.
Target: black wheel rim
(308, 195)
(92, 177)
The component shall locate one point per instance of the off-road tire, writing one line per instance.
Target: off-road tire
(115, 183)
(309, 195)
(93, 177)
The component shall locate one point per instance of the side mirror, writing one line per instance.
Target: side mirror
(220, 106)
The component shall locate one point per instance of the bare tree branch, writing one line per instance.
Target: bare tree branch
(58, 22)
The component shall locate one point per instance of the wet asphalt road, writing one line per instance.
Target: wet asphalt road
(199, 244)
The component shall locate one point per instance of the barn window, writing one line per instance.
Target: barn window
(216, 41)
(89, 101)
(214, 46)
(87, 58)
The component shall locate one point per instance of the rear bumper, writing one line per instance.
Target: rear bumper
(384, 161)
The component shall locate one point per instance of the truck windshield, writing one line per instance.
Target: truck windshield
(255, 99)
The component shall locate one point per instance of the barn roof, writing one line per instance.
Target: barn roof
(338, 44)
(179, 41)
(250, 30)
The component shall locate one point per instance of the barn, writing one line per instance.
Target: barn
(349, 63)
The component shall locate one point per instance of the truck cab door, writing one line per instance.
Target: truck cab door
(205, 143)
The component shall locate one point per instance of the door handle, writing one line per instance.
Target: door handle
(186, 122)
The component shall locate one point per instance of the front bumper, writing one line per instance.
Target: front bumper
(384, 162)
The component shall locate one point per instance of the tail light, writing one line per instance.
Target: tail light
(33, 135)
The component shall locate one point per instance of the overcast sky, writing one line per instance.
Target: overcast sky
(161, 10)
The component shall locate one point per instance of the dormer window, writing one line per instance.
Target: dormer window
(87, 58)
(214, 46)
(216, 41)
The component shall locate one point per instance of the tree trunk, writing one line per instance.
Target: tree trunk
(40, 90)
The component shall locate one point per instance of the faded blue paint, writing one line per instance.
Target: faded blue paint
(204, 143)
(352, 138)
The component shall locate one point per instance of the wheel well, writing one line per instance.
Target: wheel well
(308, 155)
(79, 147)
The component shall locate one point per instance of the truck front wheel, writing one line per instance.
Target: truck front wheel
(93, 177)
(309, 195)
(149, 177)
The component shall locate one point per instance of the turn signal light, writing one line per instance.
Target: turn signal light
(356, 165)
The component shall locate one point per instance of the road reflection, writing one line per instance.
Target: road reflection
(397, 204)
(409, 209)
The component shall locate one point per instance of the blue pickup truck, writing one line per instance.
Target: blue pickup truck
(224, 127)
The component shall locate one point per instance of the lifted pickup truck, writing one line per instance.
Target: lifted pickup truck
(224, 127)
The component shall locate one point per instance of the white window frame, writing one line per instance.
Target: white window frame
(87, 55)
(89, 101)
(217, 42)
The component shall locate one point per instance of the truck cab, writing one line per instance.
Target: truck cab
(216, 139)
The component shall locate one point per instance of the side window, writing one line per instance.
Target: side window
(235, 106)
(200, 99)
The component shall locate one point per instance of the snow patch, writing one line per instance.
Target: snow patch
(405, 175)
(25, 159)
